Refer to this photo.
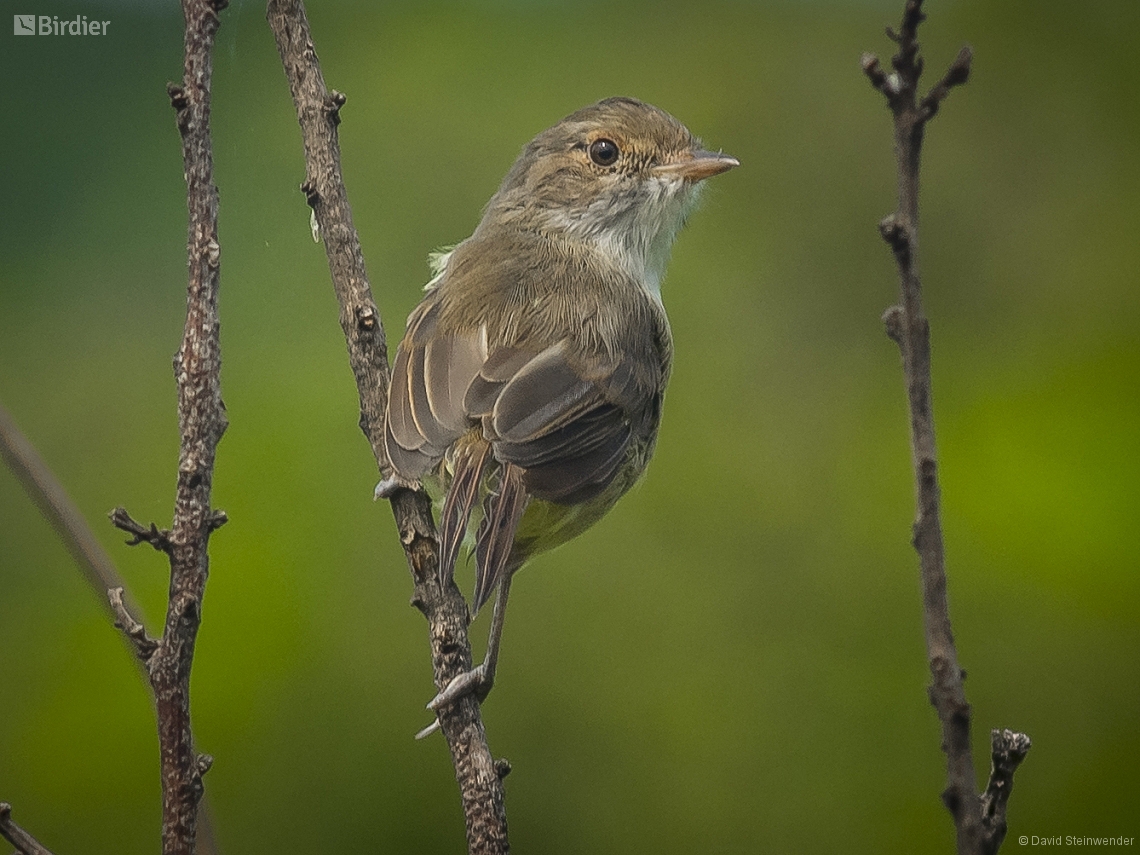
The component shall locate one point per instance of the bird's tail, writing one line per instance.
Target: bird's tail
(467, 478)
(503, 509)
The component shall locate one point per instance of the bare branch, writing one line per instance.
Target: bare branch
(44, 489)
(202, 421)
(95, 564)
(159, 539)
(874, 71)
(907, 325)
(956, 75)
(900, 88)
(1008, 750)
(318, 111)
(135, 632)
(25, 844)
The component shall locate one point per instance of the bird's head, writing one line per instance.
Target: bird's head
(619, 176)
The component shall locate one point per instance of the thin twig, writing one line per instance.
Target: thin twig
(44, 489)
(25, 844)
(144, 645)
(96, 566)
(907, 325)
(158, 538)
(318, 111)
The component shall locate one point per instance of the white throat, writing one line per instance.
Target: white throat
(633, 231)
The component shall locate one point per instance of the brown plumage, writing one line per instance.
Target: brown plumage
(529, 383)
(533, 381)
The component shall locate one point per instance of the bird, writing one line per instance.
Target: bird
(527, 391)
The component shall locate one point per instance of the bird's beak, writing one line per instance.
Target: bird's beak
(697, 165)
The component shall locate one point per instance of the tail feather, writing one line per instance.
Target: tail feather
(470, 462)
(503, 510)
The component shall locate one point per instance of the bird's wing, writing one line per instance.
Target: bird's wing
(425, 402)
(564, 422)
(558, 432)
(558, 422)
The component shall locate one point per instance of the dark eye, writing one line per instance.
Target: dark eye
(604, 152)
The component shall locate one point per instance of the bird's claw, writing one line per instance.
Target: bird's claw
(476, 681)
(386, 488)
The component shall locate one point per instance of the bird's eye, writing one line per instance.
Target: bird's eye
(604, 152)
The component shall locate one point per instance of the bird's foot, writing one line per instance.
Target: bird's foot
(477, 681)
(387, 488)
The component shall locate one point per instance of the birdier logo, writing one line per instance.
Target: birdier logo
(51, 25)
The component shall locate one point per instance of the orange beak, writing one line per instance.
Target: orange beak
(697, 165)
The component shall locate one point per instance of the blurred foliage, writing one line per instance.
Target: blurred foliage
(733, 660)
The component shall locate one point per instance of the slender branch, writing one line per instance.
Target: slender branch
(318, 111)
(908, 326)
(202, 421)
(44, 489)
(25, 844)
(49, 495)
(956, 75)
(143, 644)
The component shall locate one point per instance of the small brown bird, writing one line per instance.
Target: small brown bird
(527, 391)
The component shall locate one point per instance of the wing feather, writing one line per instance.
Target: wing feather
(401, 425)
(499, 367)
(430, 428)
(450, 364)
(541, 395)
(572, 440)
(568, 427)
(577, 479)
(407, 448)
(430, 377)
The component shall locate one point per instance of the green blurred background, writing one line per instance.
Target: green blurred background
(733, 660)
